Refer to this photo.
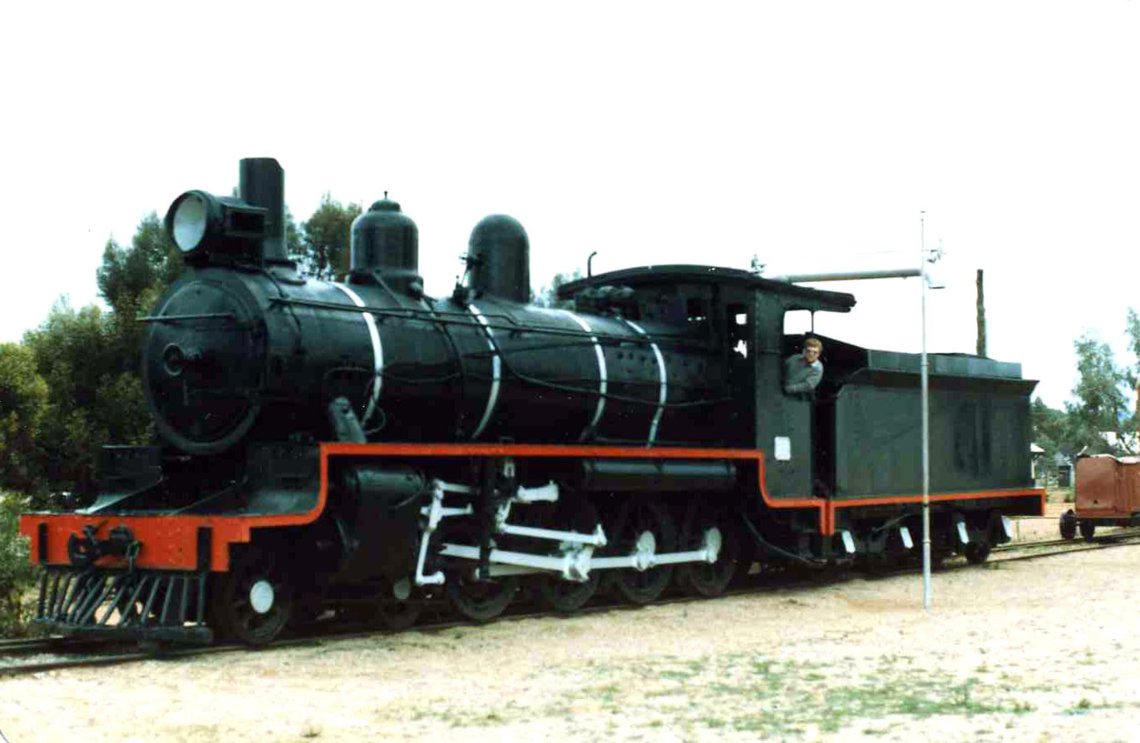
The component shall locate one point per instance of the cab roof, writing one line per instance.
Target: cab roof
(646, 276)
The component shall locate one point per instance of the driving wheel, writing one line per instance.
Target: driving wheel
(641, 525)
(565, 596)
(702, 522)
(480, 600)
(254, 600)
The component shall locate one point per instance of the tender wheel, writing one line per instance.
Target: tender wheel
(254, 601)
(642, 523)
(977, 552)
(1088, 529)
(480, 601)
(708, 579)
(1068, 524)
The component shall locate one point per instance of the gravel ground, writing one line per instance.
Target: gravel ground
(1029, 651)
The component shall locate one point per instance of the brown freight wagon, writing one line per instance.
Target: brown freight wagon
(1107, 490)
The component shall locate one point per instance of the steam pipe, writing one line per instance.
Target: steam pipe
(884, 273)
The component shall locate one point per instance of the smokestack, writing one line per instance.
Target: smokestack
(262, 183)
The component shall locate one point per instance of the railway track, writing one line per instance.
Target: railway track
(1122, 538)
(41, 655)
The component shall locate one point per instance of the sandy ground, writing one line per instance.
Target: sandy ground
(1029, 651)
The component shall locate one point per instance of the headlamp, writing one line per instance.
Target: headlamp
(201, 224)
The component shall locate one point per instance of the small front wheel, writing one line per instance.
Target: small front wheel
(254, 601)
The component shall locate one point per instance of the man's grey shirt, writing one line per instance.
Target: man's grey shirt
(799, 375)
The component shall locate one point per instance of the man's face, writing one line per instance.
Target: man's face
(811, 354)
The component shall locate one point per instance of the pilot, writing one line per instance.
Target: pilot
(802, 372)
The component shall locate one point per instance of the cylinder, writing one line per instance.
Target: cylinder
(499, 256)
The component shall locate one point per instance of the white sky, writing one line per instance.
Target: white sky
(810, 133)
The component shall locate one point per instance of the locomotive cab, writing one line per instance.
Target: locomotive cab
(737, 318)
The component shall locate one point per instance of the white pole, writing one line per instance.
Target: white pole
(926, 589)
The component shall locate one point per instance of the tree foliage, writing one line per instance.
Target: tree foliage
(94, 394)
(325, 238)
(16, 572)
(1100, 405)
(1099, 418)
(1133, 373)
(23, 402)
(131, 279)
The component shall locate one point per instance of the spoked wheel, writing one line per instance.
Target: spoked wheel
(702, 522)
(1068, 525)
(566, 596)
(977, 552)
(640, 524)
(1088, 529)
(480, 601)
(254, 601)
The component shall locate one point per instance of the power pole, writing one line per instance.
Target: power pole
(981, 314)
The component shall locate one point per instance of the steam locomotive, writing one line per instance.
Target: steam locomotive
(361, 446)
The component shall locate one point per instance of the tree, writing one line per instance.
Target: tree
(128, 274)
(1100, 406)
(16, 573)
(23, 402)
(1133, 373)
(325, 238)
(131, 280)
(94, 395)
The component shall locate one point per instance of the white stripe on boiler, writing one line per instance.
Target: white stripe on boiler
(496, 372)
(377, 351)
(602, 381)
(664, 384)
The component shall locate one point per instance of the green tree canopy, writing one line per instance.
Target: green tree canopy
(1100, 404)
(131, 280)
(23, 402)
(325, 238)
(1133, 374)
(94, 395)
(129, 274)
